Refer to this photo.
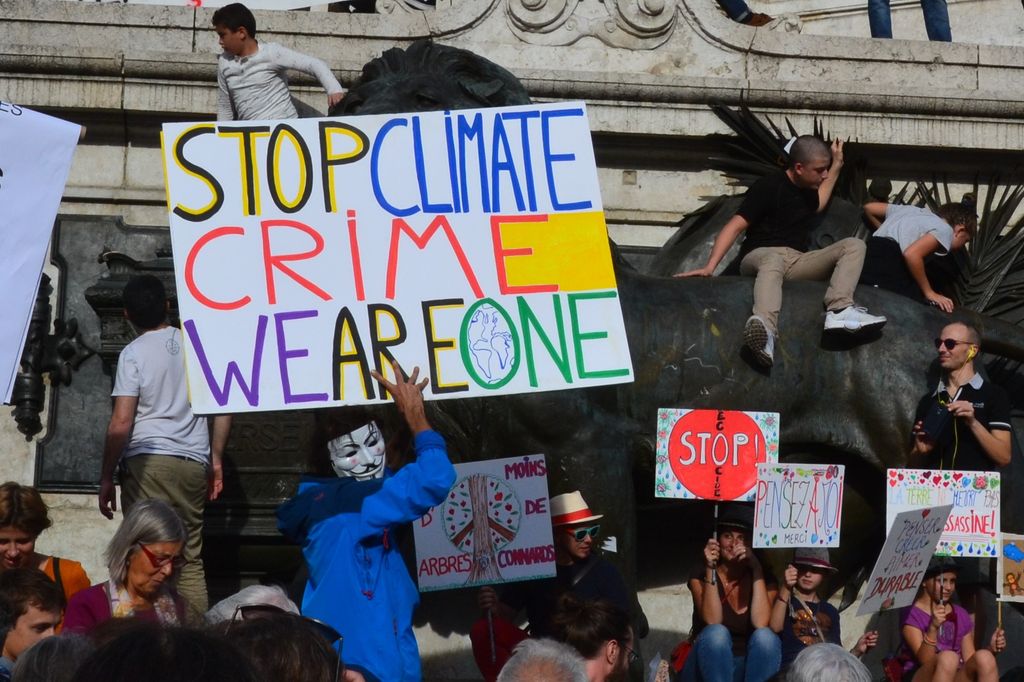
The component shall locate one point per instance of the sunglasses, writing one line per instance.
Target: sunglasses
(176, 562)
(950, 344)
(580, 534)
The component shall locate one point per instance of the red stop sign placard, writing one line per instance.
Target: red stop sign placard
(714, 453)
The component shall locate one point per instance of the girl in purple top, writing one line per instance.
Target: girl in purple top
(937, 636)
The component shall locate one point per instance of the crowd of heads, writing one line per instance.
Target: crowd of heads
(255, 635)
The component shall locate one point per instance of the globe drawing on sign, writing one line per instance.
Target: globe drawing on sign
(491, 344)
(481, 515)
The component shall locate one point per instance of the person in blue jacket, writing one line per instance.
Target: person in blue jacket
(358, 582)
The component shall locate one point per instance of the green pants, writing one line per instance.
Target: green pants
(182, 483)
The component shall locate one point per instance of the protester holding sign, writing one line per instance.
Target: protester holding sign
(357, 580)
(731, 608)
(938, 644)
(800, 617)
(579, 571)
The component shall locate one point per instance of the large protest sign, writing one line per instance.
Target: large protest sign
(1011, 567)
(35, 157)
(309, 252)
(908, 548)
(713, 454)
(973, 526)
(798, 505)
(493, 527)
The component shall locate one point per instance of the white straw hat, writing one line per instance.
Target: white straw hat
(571, 508)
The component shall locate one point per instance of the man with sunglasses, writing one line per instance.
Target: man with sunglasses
(965, 422)
(579, 571)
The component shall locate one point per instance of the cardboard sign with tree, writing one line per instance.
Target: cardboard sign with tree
(494, 526)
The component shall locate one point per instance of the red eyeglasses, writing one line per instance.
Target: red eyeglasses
(160, 561)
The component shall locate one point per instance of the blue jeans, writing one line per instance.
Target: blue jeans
(712, 660)
(936, 19)
(736, 9)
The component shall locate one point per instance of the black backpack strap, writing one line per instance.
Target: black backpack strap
(55, 561)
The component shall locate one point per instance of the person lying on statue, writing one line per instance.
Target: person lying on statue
(907, 235)
(579, 572)
(345, 516)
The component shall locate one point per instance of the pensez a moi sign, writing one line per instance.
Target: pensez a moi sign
(311, 251)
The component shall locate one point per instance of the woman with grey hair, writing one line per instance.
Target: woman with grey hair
(142, 559)
(827, 662)
(544, 660)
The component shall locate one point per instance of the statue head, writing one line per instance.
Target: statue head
(427, 76)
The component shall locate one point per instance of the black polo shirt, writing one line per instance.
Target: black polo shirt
(779, 214)
(956, 447)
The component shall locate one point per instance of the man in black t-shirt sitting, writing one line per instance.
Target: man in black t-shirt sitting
(579, 571)
(778, 214)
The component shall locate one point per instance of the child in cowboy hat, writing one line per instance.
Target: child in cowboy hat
(800, 617)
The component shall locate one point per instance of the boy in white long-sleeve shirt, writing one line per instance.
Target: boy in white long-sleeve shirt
(252, 75)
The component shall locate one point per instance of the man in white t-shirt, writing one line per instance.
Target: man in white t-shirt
(164, 450)
(904, 237)
(252, 76)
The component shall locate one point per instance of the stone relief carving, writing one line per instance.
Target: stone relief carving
(631, 24)
(480, 7)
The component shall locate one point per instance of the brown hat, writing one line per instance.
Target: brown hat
(571, 508)
(815, 557)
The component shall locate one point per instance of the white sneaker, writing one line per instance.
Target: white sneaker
(760, 340)
(852, 319)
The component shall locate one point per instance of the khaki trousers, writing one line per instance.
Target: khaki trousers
(181, 483)
(839, 263)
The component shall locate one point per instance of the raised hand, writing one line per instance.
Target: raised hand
(711, 553)
(408, 396)
(790, 577)
(867, 641)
